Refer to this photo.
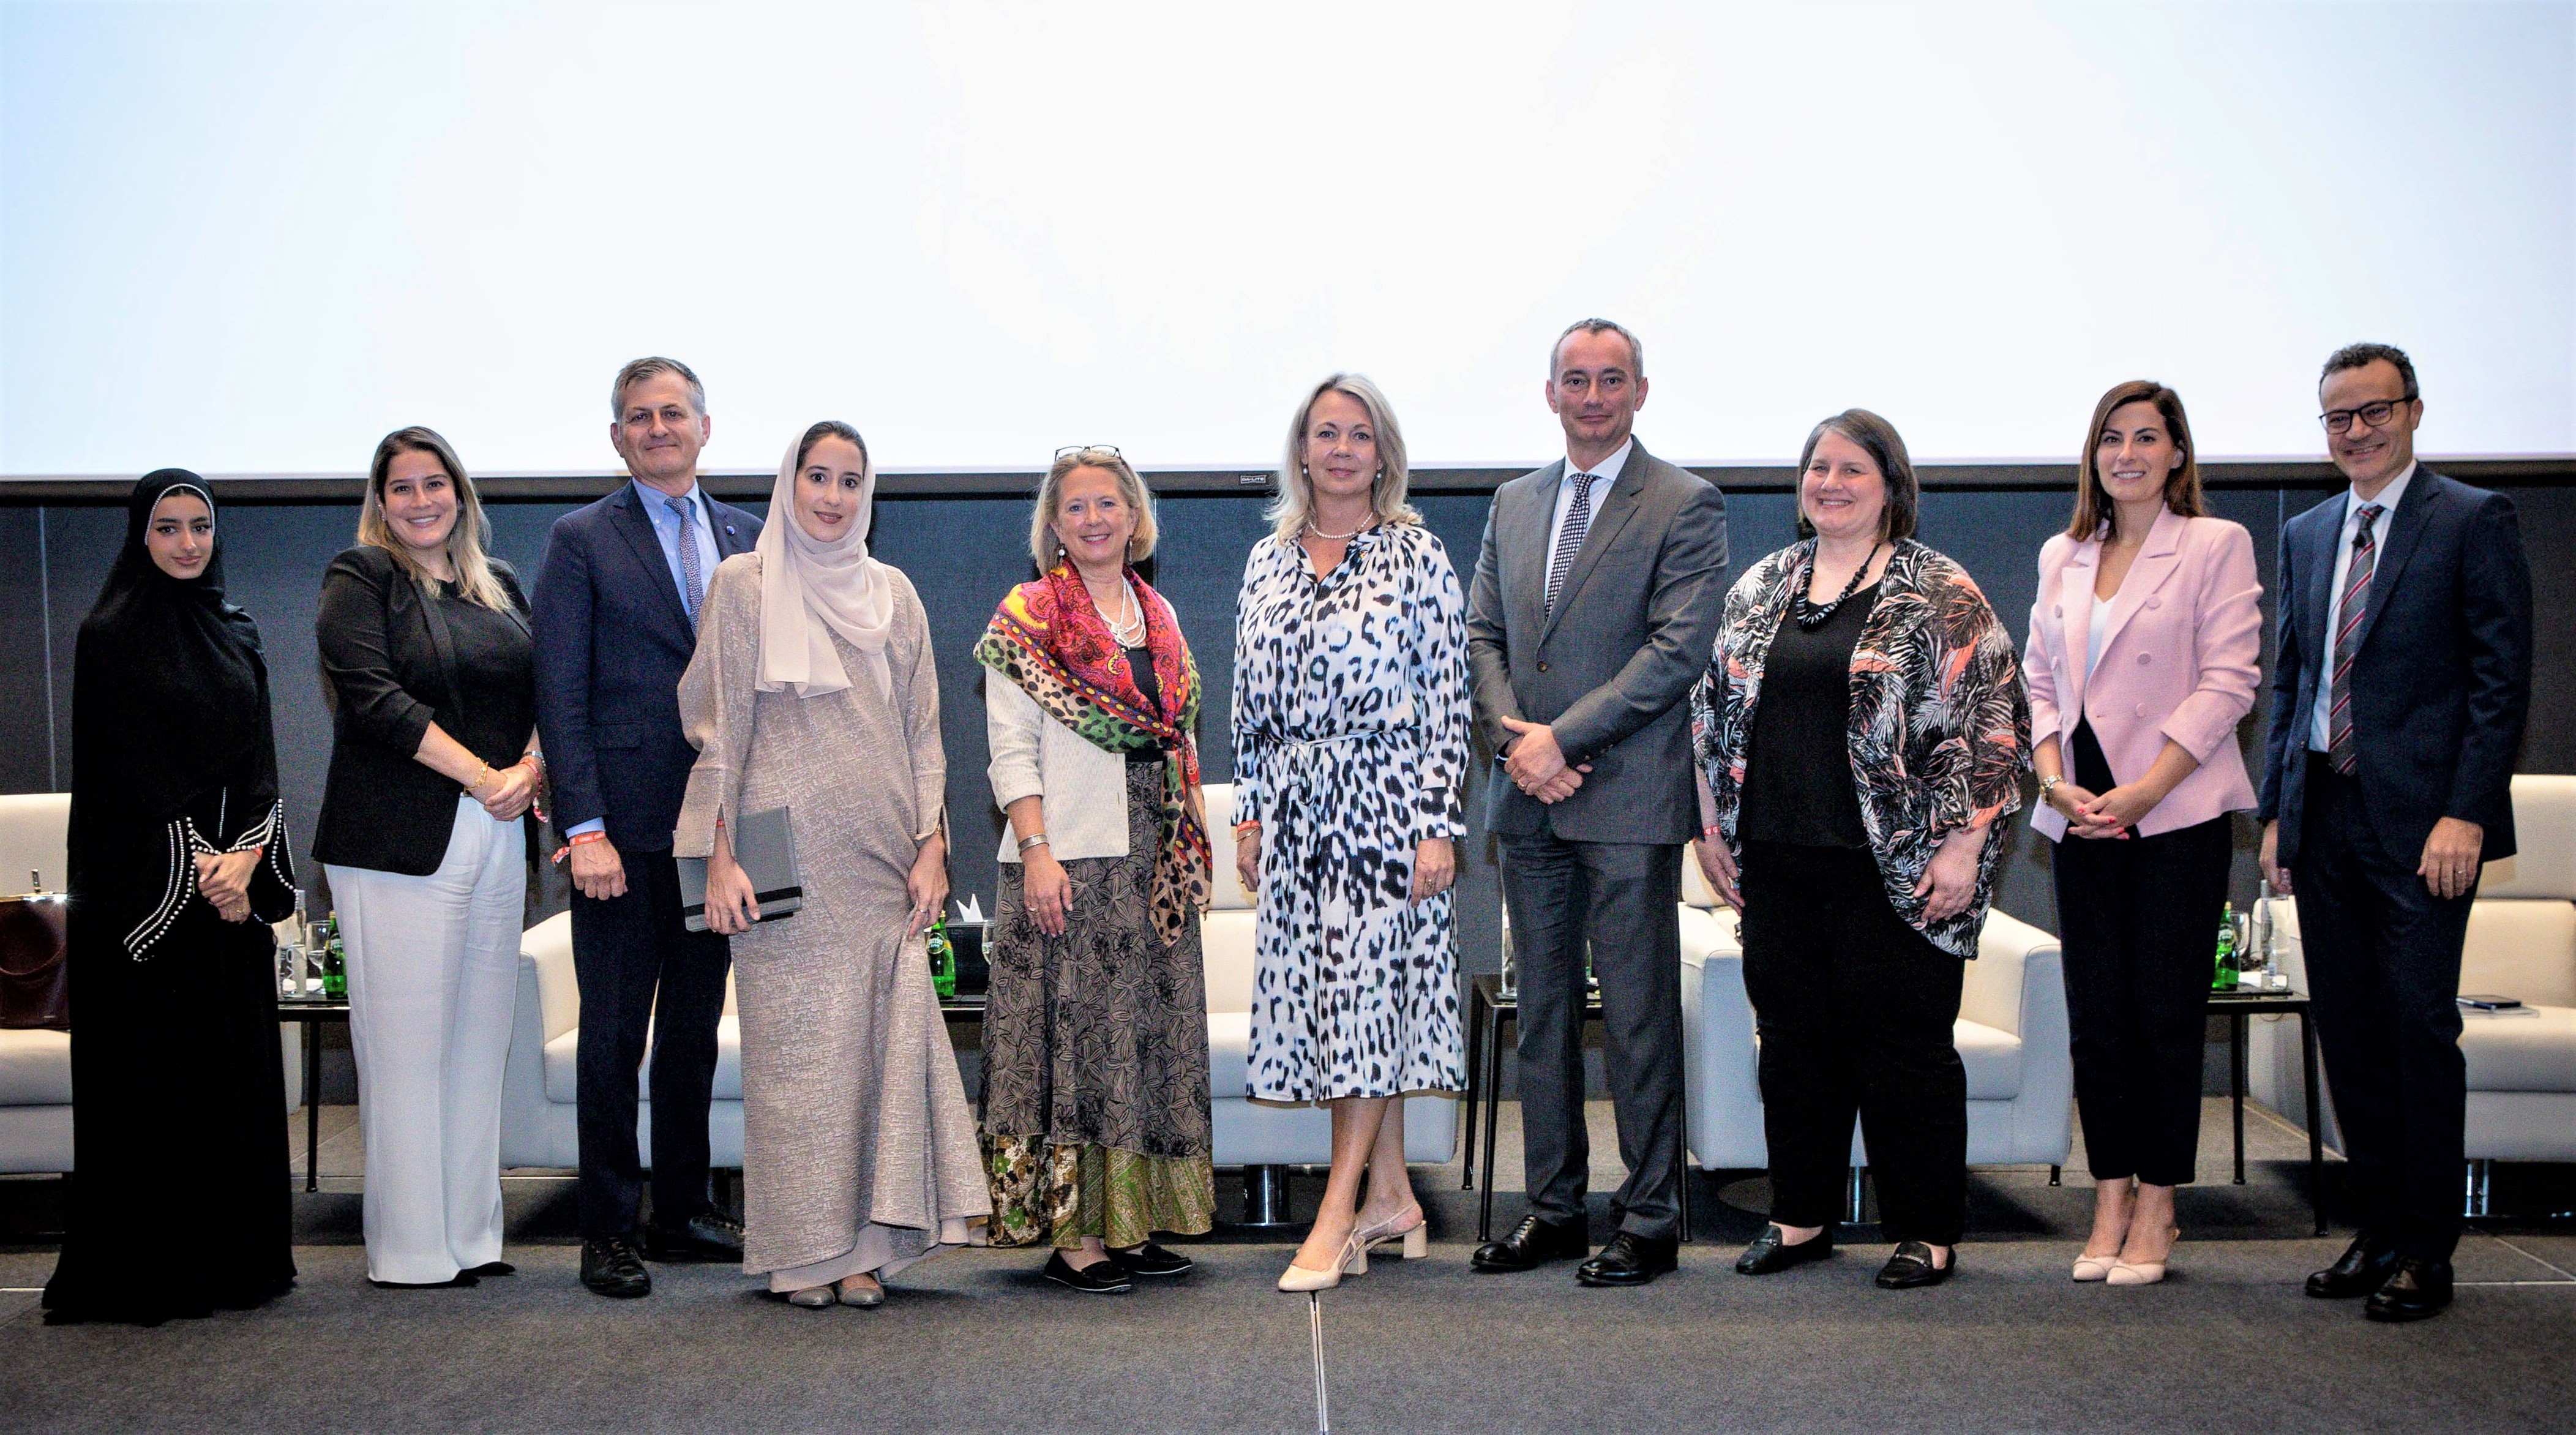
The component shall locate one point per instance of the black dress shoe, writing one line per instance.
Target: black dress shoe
(1532, 1243)
(708, 1236)
(1149, 1259)
(1769, 1253)
(494, 1268)
(1630, 1260)
(1912, 1266)
(1101, 1277)
(2419, 1289)
(612, 1266)
(462, 1280)
(2362, 1269)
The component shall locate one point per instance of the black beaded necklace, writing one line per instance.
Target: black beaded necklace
(1809, 616)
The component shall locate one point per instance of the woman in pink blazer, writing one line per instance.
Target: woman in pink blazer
(2141, 663)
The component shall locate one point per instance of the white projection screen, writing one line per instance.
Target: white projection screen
(253, 238)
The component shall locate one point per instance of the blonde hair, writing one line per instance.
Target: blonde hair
(1043, 544)
(466, 541)
(1295, 503)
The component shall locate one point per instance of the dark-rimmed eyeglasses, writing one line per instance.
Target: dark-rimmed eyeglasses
(1076, 450)
(2371, 414)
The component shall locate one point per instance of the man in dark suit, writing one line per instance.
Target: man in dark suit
(616, 623)
(1597, 594)
(2397, 707)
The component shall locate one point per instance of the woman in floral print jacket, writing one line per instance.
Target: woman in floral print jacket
(1860, 730)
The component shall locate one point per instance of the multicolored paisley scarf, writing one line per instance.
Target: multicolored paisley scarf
(1051, 642)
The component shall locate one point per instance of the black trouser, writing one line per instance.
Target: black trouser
(1855, 1012)
(2138, 919)
(625, 950)
(2383, 958)
(1625, 899)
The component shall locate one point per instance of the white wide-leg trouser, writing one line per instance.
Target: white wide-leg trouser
(433, 974)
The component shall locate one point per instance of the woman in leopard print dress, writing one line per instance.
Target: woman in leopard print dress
(1350, 742)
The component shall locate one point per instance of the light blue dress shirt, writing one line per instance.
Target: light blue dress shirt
(666, 527)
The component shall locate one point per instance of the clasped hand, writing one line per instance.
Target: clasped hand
(223, 879)
(510, 790)
(1537, 765)
(2110, 815)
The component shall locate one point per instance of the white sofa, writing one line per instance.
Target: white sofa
(540, 1117)
(2521, 943)
(1265, 1137)
(35, 1066)
(2011, 1034)
(539, 1125)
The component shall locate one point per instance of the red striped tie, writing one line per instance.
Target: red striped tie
(2347, 642)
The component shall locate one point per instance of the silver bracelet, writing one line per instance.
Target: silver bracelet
(1034, 839)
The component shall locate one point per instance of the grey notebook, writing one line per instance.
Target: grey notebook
(764, 846)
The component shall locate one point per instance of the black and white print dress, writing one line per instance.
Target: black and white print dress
(1350, 744)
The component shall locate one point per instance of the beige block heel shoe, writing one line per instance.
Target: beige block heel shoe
(1298, 1280)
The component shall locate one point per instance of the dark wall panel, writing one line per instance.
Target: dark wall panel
(964, 552)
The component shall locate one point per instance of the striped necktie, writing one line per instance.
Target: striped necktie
(1569, 541)
(692, 580)
(2347, 642)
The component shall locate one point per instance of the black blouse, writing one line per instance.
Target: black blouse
(1140, 661)
(1798, 785)
(397, 655)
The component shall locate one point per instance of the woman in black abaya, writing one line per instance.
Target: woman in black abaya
(178, 863)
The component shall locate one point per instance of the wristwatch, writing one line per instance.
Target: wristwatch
(2045, 784)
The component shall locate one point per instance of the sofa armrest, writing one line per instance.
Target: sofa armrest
(547, 948)
(1992, 992)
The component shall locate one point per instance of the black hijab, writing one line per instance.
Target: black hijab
(170, 694)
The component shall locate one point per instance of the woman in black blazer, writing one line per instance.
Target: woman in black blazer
(427, 659)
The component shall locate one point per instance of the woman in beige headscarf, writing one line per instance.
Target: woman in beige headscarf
(813, 690)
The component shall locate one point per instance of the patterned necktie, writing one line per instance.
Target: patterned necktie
(2347, 642)
(692, 582)
(1578, 519)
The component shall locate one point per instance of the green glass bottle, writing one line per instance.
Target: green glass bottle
(943, 960)
(2222, 974)
(335, 968)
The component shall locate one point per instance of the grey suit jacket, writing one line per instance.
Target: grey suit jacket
(1611, 668)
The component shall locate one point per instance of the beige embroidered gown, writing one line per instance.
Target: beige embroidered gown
(859, 1149)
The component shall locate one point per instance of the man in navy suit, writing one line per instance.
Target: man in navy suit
(616, 623)
(2397, 708)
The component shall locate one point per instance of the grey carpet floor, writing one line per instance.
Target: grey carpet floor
(974, 1341)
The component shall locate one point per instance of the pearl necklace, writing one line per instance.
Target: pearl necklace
(1133, 623)
(1313, 532)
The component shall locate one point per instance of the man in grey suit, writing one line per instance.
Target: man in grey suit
(1598, 593)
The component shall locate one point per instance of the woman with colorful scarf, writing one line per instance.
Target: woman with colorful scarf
(1095, 1030)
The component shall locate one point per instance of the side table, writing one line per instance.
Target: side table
(2236, 1006)
(313, 1014)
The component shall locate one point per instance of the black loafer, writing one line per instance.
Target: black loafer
(1149, 1259)
(2361, 1270)
(1101, 1277)
(494, 1268)
(707, 1237)
(1630, 1260)
(2419, 1289)
(613, 1267)
(1912, 1266)
(1532, 1243)
(1769, 1253)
